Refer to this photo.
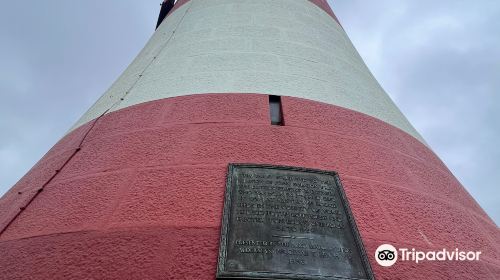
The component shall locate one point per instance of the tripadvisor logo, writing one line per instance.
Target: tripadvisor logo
(387, 255)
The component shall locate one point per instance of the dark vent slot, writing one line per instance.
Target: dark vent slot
(275, 110)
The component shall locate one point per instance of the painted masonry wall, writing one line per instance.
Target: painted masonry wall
(137, 193)
(280, 47)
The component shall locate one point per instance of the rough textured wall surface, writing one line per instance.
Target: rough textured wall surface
(280, 47)
(142, 196)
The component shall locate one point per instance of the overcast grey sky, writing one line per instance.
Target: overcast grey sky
(438, 60)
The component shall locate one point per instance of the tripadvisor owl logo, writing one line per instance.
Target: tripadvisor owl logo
(387, 255)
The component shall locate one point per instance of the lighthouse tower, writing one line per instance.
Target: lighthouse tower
(159, 179)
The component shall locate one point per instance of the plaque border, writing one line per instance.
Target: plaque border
(263, 275)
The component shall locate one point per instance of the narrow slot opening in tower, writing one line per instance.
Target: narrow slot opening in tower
(275, 110)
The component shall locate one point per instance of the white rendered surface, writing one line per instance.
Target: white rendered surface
(279, 47)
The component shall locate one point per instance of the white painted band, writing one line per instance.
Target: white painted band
(279, 47)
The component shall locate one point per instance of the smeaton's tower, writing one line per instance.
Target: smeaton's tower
(247, 140)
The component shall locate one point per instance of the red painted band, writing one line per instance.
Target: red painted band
(143, 197)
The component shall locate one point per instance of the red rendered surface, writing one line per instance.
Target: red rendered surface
(142, 198)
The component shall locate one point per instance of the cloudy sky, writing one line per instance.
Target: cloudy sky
(438, 60)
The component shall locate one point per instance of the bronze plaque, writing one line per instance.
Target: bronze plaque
(288, 223)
